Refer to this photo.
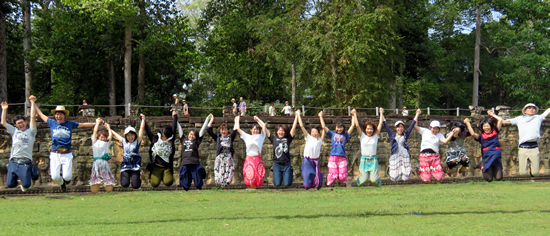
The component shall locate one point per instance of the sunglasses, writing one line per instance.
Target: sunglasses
(531, 108)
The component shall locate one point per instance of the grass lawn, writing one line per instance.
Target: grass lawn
(505, 208)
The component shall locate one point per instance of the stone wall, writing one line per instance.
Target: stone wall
(83, 158)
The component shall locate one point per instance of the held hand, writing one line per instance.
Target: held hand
(297, 112)
(107, 126)
(142, 116)
(32, 98)
(4, 105)
(211, 116)
(490, 112)
(418, 111)
(98, 120)
(467, 121)
(353, 112)
(321, 113)
(381, 110)
(456, 130)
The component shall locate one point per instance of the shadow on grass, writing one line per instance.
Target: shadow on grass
(366, 214)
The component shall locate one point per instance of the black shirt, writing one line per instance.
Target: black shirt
(190, 151)
(219, 139)
(281, 148)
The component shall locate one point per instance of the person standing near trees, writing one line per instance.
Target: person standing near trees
(272, 110)
(22, 142)
(242, 107)
(61, 156)
(282, 168)
(286, 109)
(337, 161)
(185, 109)
(529, 136)
(235, 107)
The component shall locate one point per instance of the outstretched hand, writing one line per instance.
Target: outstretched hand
(107, 125)
(4, 105)
(321, 113)
(32, 98)
(467, 121)
(418, 111)
(381, 110)
(353, 112)
(490, 112)
(98, 120)
(142, 116)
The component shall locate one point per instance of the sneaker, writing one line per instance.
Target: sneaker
(64, 187)
(23, 189)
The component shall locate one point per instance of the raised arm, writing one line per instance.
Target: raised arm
(352, 126)
(86, 125)
(262, 124)
(354, 119)
(293, 130)
(147, 129)
(203, 128)
(447, 139)
(211, 120)
(301, 124)
(474, 134)
(96, 127)
(546, 113)
(141, 128)
(4, 114)
(39, 112)
(237, 126)
(418, 112)
(174, 122)
(117, 136)
(323, 126)
(33, 112)
(382, 119)
(498, 118)
(109, 131)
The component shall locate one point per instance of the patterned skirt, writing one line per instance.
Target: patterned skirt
(400, 167)
(224, 168)
(254, 171)
(101, 173)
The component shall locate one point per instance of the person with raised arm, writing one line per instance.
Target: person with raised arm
(429, 159)
(491, 151)
(253, 170)
(101, 170)
(400, 159)
(282, 168)
(22, 142)
(529, 137)
(337, 162)
(130, 168)
(190, 166)
(311, 172)
(224, 166)
(369, 135)
(456, 153)
(61, 156)
(161, 153)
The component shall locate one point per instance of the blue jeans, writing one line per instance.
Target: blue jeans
(24, 172)
(282, 173)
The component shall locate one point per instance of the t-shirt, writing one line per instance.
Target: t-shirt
(235, 106)
(99, 148)
(281, 148)
(405, 112)
(22, 142)
(190, 151)
(312, 148)
(429, 140)
(368, 144)
(61, 133)
(529, 127)
(242, 106)
(287, 109)
(253, 143)
(338, 143)
(272, 111)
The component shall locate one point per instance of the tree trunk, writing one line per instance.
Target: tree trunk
(399, 92)
(112, 92)
(334, 77)
(475, 95)
(127, 67)
(392, 95)
(26, 8)
(3, 60)
(141, 69)
(293, 82)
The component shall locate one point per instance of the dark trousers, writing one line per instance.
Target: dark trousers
(130, 175)
(192, 172)
(492, 172)
(282, 173)
(24, 172)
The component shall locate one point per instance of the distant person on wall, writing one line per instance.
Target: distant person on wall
(429, 159)
(529, 137)
(101, 169)
(337, 161)
(176, 100)
(22, 142)
(130, 167)
(282, 168)
(286, 109)
(235, 107)
(405, 112)
(311, 173)
(400, 159)
(242, 107)
(254, 169)
(161, 153)
(224, 166)
(491, 151)
(272, 110)
(84, 112)
(185, 109)
(61, 156)
(368, 137)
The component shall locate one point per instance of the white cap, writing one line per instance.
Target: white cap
(435, 123)
(129, 129)
(530, 105)
(399, 122)
(175, 95)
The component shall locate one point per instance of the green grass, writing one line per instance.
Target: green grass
(504, 208)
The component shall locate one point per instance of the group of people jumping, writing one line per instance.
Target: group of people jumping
(162, 150)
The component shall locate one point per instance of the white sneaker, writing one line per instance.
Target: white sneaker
(25, 189)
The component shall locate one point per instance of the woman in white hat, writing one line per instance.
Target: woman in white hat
(529, 136)
(130, 168)
(400, 159)
(61, 155)
(429, 159)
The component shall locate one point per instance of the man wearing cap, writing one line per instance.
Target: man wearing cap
(242, 107)
(429, 159)
(529, 136)
(20, 162)
(61, 132)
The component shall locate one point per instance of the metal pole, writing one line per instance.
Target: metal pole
(265, 109)
(396, 110)
(428, 110)
(377, 111)
(349, 111)
(458, 111)
(303, 110)
(25, 107)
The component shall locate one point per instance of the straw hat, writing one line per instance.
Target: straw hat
(60, 108)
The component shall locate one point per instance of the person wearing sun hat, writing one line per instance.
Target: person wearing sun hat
(61, 156)
(529, 136)
(429, 159)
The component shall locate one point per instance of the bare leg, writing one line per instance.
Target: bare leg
(94, 188)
